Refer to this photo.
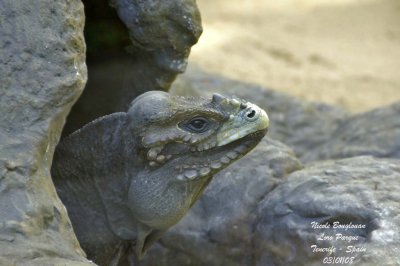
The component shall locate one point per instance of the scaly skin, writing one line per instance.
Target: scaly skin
(127, 177)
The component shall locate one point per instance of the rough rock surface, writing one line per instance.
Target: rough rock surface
(219, 228)
(42, 72)
(300, 125)
(361, 190)
(135, 47)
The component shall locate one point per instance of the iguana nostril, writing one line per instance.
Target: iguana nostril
(251, 114)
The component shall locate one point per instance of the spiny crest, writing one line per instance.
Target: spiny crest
(228, 104)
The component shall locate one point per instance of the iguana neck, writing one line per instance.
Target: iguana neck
(92, 172)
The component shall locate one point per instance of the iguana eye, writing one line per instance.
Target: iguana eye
(196, 125)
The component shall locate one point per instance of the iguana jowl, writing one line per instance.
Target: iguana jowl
(127, 177)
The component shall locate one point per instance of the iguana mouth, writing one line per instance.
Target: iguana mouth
(193, 164)
(217, 158)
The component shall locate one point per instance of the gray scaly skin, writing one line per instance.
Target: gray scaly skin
(127, 177)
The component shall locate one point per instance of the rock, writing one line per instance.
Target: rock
(137, 47)
(375, 133)
(219, 228)
(42, 73)
(359, 190)
(299, 124)
(167, 28)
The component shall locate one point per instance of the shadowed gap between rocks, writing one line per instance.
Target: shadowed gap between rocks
(132, 47)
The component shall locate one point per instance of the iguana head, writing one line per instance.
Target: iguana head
(201, 136)
(183, 142)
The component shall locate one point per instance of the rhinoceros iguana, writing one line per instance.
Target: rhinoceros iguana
(127, 177)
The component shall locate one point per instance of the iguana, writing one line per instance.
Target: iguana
(127, 177)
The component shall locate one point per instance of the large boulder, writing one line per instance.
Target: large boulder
(359, 191)
(42, 73)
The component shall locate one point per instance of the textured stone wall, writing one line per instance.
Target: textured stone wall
(42, 73)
